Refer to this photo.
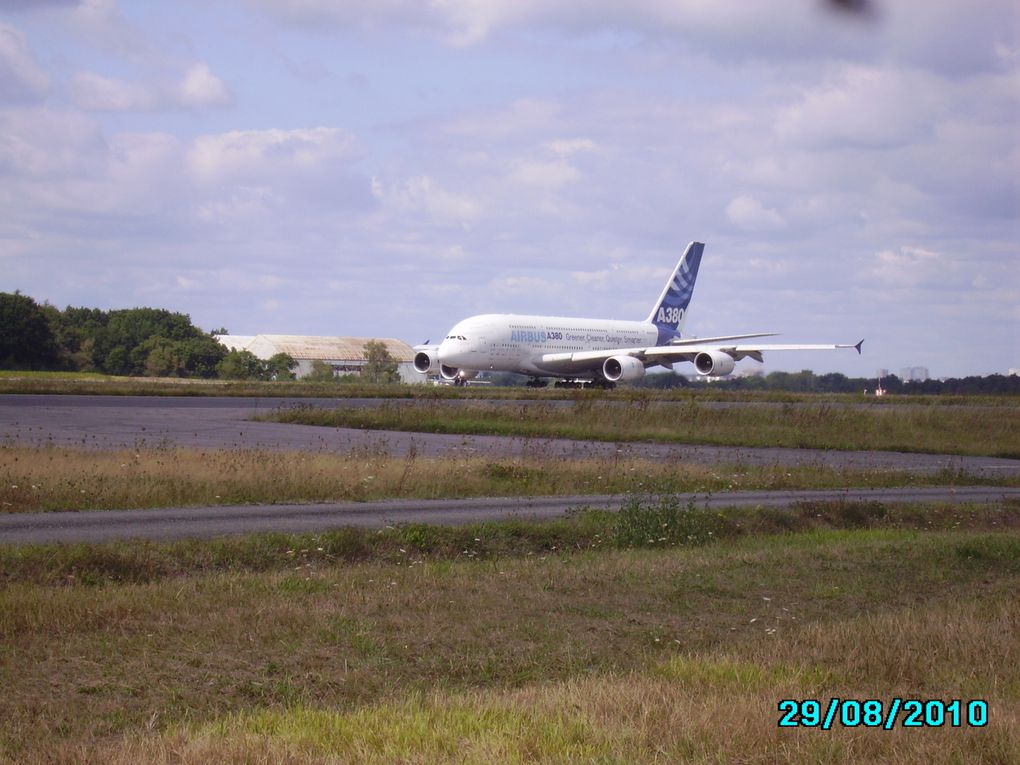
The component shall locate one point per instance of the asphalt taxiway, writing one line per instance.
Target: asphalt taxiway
(165, 524)
(125, 422)
(118, 422)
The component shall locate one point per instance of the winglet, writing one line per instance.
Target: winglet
(858, 346)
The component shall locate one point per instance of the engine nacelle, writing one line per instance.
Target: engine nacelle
(714, 363)
(453, 373)
(426, 361)
(617, 368)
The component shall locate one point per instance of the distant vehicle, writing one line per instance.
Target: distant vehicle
(601, 352)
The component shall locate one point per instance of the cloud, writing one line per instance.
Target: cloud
(552, 156)
(567, 146)
(93, 92)
(102, 24)
(62, 174)
(41, 145)
(913, 267)
(34, 5)
(251, 155)
(197, 89)
(550, 174)
(941, 35)
(422, 194)
(470, 22)
(868, 107)
(21, 78)
(200, 87)
(748, 214)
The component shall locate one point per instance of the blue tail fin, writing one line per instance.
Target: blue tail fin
(670, 310)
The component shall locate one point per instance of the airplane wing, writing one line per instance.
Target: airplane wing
(721, 338)
(737, 351)
(682, 351)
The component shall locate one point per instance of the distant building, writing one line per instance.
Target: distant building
(914, 374)
(345, 354)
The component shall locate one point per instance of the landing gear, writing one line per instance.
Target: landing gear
(536, 382)
(596, 383)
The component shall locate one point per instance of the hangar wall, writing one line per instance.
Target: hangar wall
(345, 354)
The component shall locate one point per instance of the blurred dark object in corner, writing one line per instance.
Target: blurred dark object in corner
(860, 7)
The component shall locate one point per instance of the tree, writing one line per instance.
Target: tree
(280, 367)
(116, 342)
(380, 366)
(240, 365)
(202, 355)
(26, 337)
(163, 358)
(75, 330)
(321, 372)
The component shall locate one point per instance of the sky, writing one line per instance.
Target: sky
(388, 167)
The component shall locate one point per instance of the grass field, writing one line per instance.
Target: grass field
(560, 652)
(963, 430)
(658, 634)
(57, 383)
(49, 478)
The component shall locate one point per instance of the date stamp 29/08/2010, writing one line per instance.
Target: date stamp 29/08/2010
(875, 713)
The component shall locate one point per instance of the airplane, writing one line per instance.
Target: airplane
(599, 352)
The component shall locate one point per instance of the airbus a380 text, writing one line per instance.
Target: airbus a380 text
(601, 351)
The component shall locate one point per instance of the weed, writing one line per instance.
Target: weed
(664, 522)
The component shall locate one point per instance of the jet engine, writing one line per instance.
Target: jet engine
(617, 368)
(426, 361)
(714, 363)
(459, 376)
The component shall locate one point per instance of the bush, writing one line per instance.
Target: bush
(665, 522)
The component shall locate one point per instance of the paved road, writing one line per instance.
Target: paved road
(112, 422)
(197, 522)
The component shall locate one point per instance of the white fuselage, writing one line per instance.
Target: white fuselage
(524, 344)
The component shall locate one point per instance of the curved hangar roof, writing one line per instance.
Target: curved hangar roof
(323, 348)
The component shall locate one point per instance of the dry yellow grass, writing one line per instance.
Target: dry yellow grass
(34, 479)
(634, 656)
(702, 708)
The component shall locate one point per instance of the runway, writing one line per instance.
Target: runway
(124, 422)
(166, 524)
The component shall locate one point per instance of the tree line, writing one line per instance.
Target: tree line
(807, 381)
(150, 342)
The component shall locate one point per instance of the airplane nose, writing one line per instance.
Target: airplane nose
(446, 353)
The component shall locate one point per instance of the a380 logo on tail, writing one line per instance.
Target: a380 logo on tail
(669, 314)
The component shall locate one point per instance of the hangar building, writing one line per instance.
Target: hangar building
(345, 354)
